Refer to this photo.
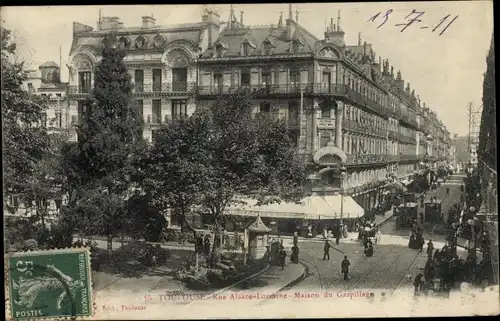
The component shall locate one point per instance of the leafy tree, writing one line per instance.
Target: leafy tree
(108, 138)
(25, 141)
(222, 152)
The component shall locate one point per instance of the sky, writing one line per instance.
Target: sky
(445, 70)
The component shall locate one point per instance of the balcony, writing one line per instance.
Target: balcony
(351, 95)
(257, 90)
(79, 91)
(164, 89)
(365, 159)
(352, 125)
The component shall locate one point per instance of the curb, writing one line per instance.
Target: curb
(234, 284)
(297, 280)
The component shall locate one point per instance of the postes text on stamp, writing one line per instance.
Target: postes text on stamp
(49, 284)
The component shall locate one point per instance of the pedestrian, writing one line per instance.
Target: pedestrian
(421, 242)
(430, 249)
(421, 218)
(206, 246)
(337, 235)
(417, 284)
(345, 268)
(282, 256)
(326, 250)
(447, 191)
(295, 238)
(295, 254)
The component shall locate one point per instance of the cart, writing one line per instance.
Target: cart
(406, 214)
(433, 211)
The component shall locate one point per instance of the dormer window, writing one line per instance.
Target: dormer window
(267, 47)
(141, 42)
(246, 48)
(297, 45)
(220, 49)
(124, 43)
(159, 41)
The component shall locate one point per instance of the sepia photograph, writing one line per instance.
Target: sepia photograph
(249, 161)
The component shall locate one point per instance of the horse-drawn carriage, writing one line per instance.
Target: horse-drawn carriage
(433, 211)
(406, 214)
(370, 233)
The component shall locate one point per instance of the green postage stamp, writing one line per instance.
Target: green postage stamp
(52, 284)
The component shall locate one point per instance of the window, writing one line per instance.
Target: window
(293, 114)
(324, 139)
(74, 119)
(154, 134)
(179, 108)
(139, 80)
(245, 49)
(58, 95)
(245, 79)
(218, 83)
(140, 108)
(179, 79)
(82, 108)
(265, 108)
(266, 78)
(44, 95)
(84, 82)
(327, 80)
(156, 111)
(156, 79)
(326, 111)
(30, 87)
(294, 79)
(293, 135)
(59, 119)
(43, 121)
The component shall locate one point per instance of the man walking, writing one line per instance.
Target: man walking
(326, 250)
(282, 257)
(345, 268)
(430, 249)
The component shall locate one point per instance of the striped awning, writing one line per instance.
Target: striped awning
(312, 208)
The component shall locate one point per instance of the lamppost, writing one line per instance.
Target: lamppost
(343, 171)
(473, 223)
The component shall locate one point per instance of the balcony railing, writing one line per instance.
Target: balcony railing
(362, 159)
(79, 89)
(261, 89)
(355, 126)
(165, 88)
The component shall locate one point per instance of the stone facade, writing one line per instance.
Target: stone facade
(343, 107)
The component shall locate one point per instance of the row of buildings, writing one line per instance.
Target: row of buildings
(344, 106)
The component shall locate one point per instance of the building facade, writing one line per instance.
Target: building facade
(343, 106)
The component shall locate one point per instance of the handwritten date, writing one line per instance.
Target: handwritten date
(412, 18)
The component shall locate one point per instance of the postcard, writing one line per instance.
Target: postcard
(299, 160)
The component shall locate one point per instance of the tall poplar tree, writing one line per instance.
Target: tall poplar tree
(487, 150)
(108, 138)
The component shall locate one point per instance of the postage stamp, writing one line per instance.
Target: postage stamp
(50, 284)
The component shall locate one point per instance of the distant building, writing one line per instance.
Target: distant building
(465, 149)
(46, 82)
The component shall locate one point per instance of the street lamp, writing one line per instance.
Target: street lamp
(473, 223)
(342, 172)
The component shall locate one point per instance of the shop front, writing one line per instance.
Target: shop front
(309, 217)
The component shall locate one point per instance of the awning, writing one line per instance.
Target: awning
(312, 207)
(350, 209)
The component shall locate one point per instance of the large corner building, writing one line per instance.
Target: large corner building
(343, 105)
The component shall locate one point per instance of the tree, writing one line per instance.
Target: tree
(25, 140)
(487, 149)
(222, 152)
(108, 138)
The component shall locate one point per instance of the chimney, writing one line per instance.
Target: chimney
(408, 90)
(364, 49)
(109, 23)
(334, 34)
(296, 16)
(148, 22)
(241, 17)
(392, 71)
(212, 21)
(359, 39)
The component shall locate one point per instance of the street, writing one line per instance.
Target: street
(392, 262)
